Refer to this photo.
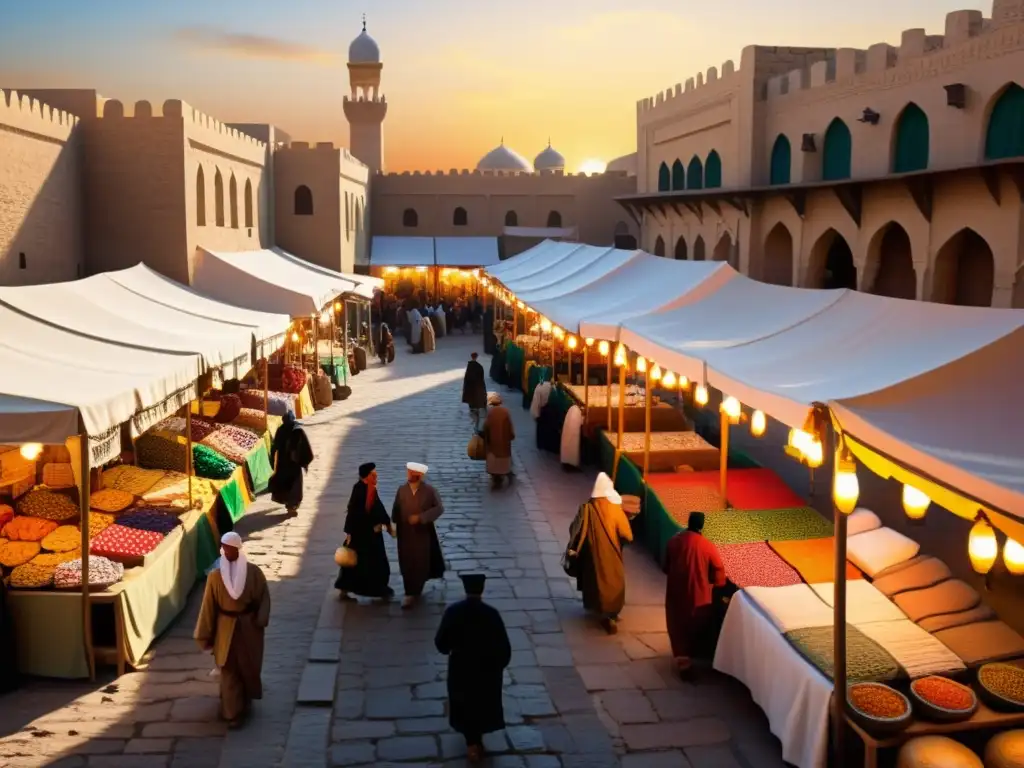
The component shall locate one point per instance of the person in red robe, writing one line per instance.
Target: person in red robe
(694, 568)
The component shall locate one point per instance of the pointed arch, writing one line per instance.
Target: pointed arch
(659, 246)
(699, 249)
(410, 218)
(890, 256)
(777, 260)
(831, 264)
(682, 250)
(781, 169)
(837, 152)
(713, 170)
(664, 178)
(911, 140)
(695, 174)
(248, 204)
(233, 201)
(554, 220)
(964, 272)
(723, 249)
(623, 239)
(200, 198)
(678, 175)
(303, 201)
(511, 219)
(1004, 134)
(218, 198)
(459, 217)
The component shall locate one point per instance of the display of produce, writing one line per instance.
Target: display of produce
(174, 425)
(111, 500)
(201, 428)
(162, 451)
(252, 399)
(230, 407)
(56, 558)
(58, 475)
(879, 708)
(66, 538)
(15, 553)
(102, 573)
(225, 446)
(6, 513)
(123, 544)
(244, 438)
(1002, 685)
(293, 380)
(32, 575)
(99, 522)
(48, 505)
(940, 698)
(134, 480)
(280, 403)
(28, 529)
(208, 463)
(149, 519)
(252, 419)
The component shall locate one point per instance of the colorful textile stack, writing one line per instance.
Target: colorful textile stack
(149, 519)
(125, 545)
(230, 406)
(208, 463)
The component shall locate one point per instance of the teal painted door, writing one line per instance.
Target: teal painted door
(678, 175)
(911, 150)
(782, 162)
(713, 171)
(1005, 135)
(837, 152)
(664, 181)
(695, 174)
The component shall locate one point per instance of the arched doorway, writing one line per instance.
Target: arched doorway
(831, 263)
(695, 174)
(713, 171)
(678, 175)
(659, 246)
(723, 251)
(910, 145)
(623, 239)
(664, 179)
(837, 152)
(964, 272)
(1004, 136)
(777, 259)
(698, 249)
(682, 252)
(782, 161)
(894, 264)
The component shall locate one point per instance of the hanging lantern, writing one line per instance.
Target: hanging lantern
(732, 409)
(620, 356)
(295, 336)
(641, 365)
(814, 456)
(572, 342)
(758, 423)
(1013, 557)
(337, 306)
(545, 324)
(31, 451)
(684, 383)
(845, 486)
(700, 395)
(558, 333)
(490, 289)
(915, 502)
(603, 348)
(589, 342)
(668, 380)
(656, 373)
(982, 546)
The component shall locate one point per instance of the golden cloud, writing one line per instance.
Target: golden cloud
(244, 46)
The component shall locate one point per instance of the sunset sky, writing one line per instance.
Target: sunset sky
(458, 74)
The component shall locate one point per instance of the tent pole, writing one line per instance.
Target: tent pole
(647, 422)
(839, 630)
(622, 415)
(188, 447)
(334, 333)
(344, 339)
(316, 343)
(84, 494)
(608, 400)
(266, 388)
(586, 381)
(723, 458)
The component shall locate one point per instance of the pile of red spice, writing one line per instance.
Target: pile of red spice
(943, 693)
(877, 701)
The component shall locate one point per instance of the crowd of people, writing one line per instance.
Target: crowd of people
(406, 315)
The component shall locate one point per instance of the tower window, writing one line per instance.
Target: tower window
(22, 261)
(410, 218)
(460, 218)
(303, 201)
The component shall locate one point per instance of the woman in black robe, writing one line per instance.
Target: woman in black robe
(293, 455)
(473, 637)
(365, 524)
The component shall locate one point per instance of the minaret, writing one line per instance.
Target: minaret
(365, 109)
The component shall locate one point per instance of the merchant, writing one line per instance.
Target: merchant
(232, 620)
(417, 505)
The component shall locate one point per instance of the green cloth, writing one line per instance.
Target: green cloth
(866, 660)
(207, 547)
(738, 526)
(537, 374)
(258, 463)
(336, 368)
(48, 632)
(234, 499)
(515, 359)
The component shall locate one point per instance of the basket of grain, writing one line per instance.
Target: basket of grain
(943, 700)
(1001, 686)
(878, 708)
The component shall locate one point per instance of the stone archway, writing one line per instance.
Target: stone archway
(723, 251)
(893, 264)
(831, 263)
(964, 271)
(777, 257)
(681, 252)
(699, 249)
(659, 246)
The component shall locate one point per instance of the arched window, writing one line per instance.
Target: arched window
(303, 201)
(218, 198)
(511, 219)
(713, 171)
(200, 198)
(554, 219)
(348, 217)
(359, 217)
(681, 249)
(782, 161)
(460, 218)
(623, 239)
(1005, 134)
(678, 175)
(695, 174)
(410, 218)
(248, 203)
(233, 201)
(699, 249)
(910, 148)
(837, 153)
(664, 179)
(659, 246)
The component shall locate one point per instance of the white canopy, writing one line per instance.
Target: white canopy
(466, 251)
(577, 261)
(365, 284)
(608, 260)
(520, 258)
(568, 233)
(265, 281)
(402, 252)
(552, 255)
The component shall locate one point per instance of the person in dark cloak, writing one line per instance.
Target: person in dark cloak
(386, 348)
(549, 427)
(474, 390)
(8, 670)
(473, 637)
(417, 507)
(365, 523)
(290, 455)
(498, 373)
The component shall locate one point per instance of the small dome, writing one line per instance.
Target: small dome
(549, 160)
(364, 49)
(501, 158)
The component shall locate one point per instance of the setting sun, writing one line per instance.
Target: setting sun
(593, 165)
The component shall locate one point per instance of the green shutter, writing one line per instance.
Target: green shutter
(678, 175)
(1005, 135)
(782, 161)
(713, 171)
(837, 152)
(911, 150)
(663, 179)
(695, 174)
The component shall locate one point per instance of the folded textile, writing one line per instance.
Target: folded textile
(864, 603)
(792, 607)
(919, 653)
(756, 565)
(866, 660)
(921, 572)
(951, 596)
(813, 559)
(961, 618)
(982, 642)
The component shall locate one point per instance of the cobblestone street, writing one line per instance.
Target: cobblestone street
(574, 696)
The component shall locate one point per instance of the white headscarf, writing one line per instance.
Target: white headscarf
(604, 488)
(233, 573)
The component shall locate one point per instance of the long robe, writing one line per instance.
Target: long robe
(419, 550)
(473, 636)
(474, 388)
(429, 337)
(499, 432)
(549, 428)
(498, 372)
(372, 571)
(693, 567)
(235, 630)
(415, 328)
(293, 455)
(541, 395)
(602, 578)
(571, 435)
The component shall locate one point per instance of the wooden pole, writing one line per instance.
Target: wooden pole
(266, 387)
(647, 420)
(344, 339)
(608, 387)
(84, 494)
(622, 415)
(568, 352)
(316, 343)
(334, 333)
(188, 448)
(839, 632)
(586, 380)
(723, 458)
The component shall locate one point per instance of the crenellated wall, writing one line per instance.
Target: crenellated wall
(40, 192)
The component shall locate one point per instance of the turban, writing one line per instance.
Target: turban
(473, 583)
(231, 539)
(695, 522)
(366, 469)
(414, 466)
(605, 489)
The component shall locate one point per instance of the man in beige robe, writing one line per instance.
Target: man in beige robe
(232, 620)
(417, 506)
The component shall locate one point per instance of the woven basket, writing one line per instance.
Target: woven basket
(58, 476)
(345, 557)
(941, 714)
(881, 726)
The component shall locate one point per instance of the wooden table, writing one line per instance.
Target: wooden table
(984, 719)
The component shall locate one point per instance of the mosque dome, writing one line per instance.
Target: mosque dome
(501, 158)
(364, 49)
(549, 160)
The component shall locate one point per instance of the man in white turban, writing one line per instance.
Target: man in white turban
(417, 506)
(232, 620)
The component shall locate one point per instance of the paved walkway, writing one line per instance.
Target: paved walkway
(574, 696)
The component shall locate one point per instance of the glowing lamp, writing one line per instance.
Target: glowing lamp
(700, 395)
(845, 486)
(545, 324)
(31, 451)
(915, 502)
(558, 332)
(337, 306)
(641, 365)
(572, 342)
(295, 336)
(732, 409)
(799, 440)
(391, 271)
(490, 289)
(668, 380)
(485, 281)
(684, 383)
(620, 356)
(758, 423)
(1013, 557)
(603, 348)
(589, 342)
(982, 547)
(421, 269)
(815, 453)
(655, 373)
(520, 305)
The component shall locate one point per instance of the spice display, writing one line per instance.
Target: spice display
(28, 529)
(201, 428)
(32, 575)
(63, 539)
(208, 463)
(48, 505)
(245, 438)
(1004, 680)
(944, 693)
(225, 446)
(118, 542)
(252, 418)
(293, 380)
(230, 407)
(157, 451)
(279, 403)
(252, 399)
(99, 522)
(58, 475)
(877, 701)
(6, 514)
(111, 500)
(149, 519)
(15, 553)
(134, 480)
(55, 558)
(174, 425)
(102, 573)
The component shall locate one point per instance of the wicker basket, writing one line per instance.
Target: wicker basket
(58, 476)
(880, 726)
(941, 714)
(995, 700)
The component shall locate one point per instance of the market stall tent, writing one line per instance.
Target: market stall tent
(552, 255)
(607, 261)
(466, 251)
(402, 252)
(365, 285)
(575, 263)
(520, 259)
